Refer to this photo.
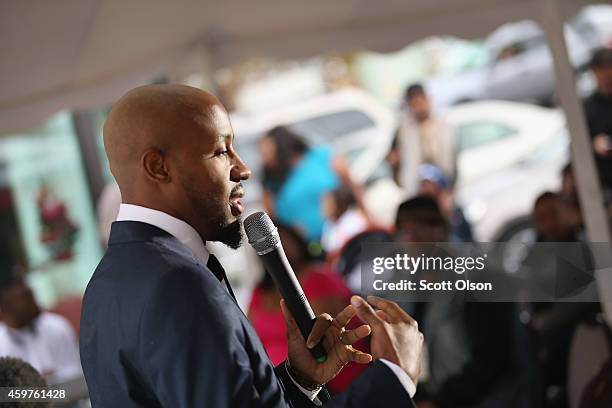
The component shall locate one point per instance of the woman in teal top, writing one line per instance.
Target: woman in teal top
(296, 177)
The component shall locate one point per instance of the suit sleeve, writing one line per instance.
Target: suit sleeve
(192, 354)
(376, 384)
(194, 357)
(296, 397)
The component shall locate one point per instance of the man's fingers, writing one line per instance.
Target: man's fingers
(392, 309)
(357, 356)
(383, 316)
(344, 317)
(365, 311)
(320, 326)
(351, 336)
(292, 328)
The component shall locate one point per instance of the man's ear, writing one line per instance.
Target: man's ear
(155, 166)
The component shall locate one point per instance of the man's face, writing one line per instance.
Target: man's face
(414, 231)
(18, 305)
(209, 175)
(603, 75)
(429, 189)
(548, 222)
(419, 106)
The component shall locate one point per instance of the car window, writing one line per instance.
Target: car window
(479, 133)
(551, 150)
(329, 126)
(353, 154)
(323, 129)
(519, 47)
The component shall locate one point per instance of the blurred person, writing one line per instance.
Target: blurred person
(470, 345)
(344, 219)
(45, 340)
(419, 219)
(7, 257)
(296, 177)
(552, 338)
(325, 291)
(548, 221)
(16, 373)
(435, 184)
(278, 149)
(569, 204)
(553, 324)
(158, 327)
(598, 108)
(422, 137)
(598, 392)
(347, 262)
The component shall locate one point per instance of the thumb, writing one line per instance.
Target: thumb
(292, 328)
(365, 311)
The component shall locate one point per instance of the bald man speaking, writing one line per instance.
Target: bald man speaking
(160, 326)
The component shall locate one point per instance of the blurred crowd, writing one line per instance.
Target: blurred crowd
(478, 354)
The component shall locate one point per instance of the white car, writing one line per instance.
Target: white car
(522, 62)
(508, 153)
(520, 67)
(495, 135)
(499, 205)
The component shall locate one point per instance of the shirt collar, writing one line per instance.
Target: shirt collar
(182, 231)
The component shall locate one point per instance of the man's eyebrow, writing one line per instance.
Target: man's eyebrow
(223, 138)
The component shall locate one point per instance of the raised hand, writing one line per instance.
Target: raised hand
(337, 341)
(395, 335)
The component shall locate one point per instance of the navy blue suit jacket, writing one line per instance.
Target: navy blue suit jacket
(159, 330)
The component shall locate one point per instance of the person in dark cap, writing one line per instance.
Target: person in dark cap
(598, 111)
(435, 184)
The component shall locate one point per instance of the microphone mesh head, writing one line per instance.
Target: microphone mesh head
(261, 232)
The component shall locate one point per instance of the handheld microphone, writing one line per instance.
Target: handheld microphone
(264, 238)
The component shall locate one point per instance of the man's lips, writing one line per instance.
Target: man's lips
(235, 203)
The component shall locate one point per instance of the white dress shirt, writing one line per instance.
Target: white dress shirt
(189, 237)
(49, 345)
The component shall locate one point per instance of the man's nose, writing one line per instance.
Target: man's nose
(240, 171)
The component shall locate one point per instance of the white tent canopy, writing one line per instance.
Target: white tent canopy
(83, 53)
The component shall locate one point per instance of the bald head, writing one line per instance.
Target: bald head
(164, 144)
(153, 117)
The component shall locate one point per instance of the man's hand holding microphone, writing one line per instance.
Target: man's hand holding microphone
(395, 338)
(319, 347)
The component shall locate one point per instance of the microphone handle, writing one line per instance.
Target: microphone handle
(278, 266)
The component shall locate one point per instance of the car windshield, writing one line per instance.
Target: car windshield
(517, 48)
(327, 127)
(553, 149)
(475, 134)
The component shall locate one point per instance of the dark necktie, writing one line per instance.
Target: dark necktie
(217, 269)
